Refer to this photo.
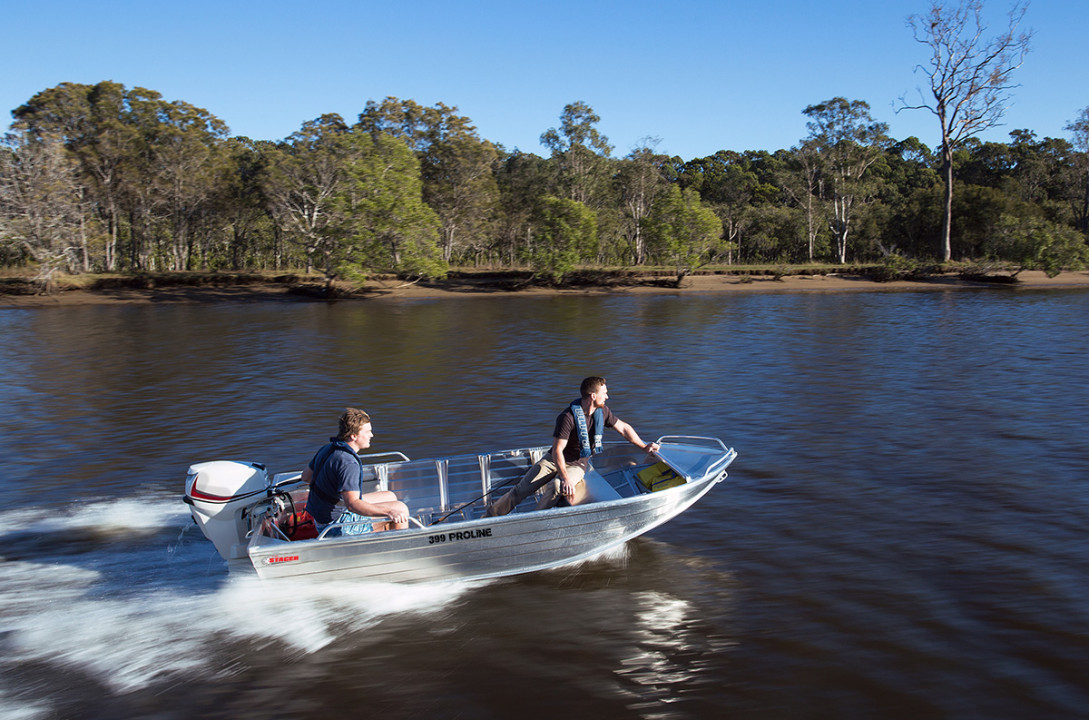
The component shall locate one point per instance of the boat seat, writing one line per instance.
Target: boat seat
(598, 488)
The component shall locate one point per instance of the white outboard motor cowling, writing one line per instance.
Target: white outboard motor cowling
(218, 494)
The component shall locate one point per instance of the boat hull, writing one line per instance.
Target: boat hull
(254, 518)
(482, 548)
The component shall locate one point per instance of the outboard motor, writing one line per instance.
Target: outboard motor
(218, 494)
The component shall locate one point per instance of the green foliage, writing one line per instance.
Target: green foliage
(978, 210)
(776, 231)
(683, 232)
(385, 223)
(899, 267)
(567, 232)
(102, 177)
(849, 142)
(580, 152)
(1035, 244)
(302, 179)
(456, 167)
(640, 181)
(523, 179)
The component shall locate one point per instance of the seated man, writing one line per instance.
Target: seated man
(335, 474)
(577, 436)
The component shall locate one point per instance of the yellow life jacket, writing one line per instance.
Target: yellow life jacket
(659, 477)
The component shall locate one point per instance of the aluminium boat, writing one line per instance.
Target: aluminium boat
(255, 517)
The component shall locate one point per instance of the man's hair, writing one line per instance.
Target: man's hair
(351, 422)
(590, 385)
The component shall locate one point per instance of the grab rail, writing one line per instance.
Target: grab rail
(709, 440)
(374, 519)
(720, 466)
(392, 453)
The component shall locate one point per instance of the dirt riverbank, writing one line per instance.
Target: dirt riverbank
(470, 285)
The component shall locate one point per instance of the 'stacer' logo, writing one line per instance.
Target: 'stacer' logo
(281, 559)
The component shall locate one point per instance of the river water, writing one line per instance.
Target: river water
(903, 535)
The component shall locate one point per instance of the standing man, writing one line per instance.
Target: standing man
(578, 433)
(335, 475)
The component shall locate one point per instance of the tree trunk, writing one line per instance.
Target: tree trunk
(841, 223)
(947, 213)
(448, 242)
(810, 224)
(841, 205)
(114, 232)
(83, 249)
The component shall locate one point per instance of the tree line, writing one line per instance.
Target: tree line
(104, 178)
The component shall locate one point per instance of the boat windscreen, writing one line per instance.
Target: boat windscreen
(692, 461)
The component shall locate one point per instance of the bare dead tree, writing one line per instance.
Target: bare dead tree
(969, 76)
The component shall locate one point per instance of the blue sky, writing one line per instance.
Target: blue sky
(698, 75)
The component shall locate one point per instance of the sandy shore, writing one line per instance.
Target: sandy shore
(387, 290)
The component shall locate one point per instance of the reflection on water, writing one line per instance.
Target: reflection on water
(900, 537)
(656, 660)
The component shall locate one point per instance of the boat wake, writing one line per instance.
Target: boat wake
(124, 515)
(128, 615)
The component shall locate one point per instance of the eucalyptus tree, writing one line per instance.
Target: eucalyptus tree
(244, 209)
(188, 154)
(173, 175)
(405, 119)
(802, 185)
(1079, 130)
(987, 164)
(41, 208)
(303, 178)
(146, 162)
(727, 183)
(969, 76)
(849, 141)
(581, 153)
(684, 232)
(641, 181)
(1035, 176)
(144, 198)
(566, 233)
(1034, 243)
(93, 122)
(524, 181)
(457, 167)
(908, 202)
(1043, 172)
(386, 224)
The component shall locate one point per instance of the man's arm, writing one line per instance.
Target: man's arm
(566, 486)
(633, 437)
(395, 510)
